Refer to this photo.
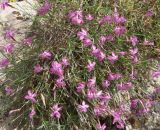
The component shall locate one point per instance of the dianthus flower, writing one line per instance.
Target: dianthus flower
(56, 111)
(9, 34)
(114, 76)
(133, 51)
(117, 119)
(83, 107)
(110, 38)
(38, 68)
(100, 109)
(157, 90)
(31, 96)
(91, 66)
(134, 40)
(124, 86)
(118, 19)
(92, 93)
(64, 61)
(4, 4)
(91, 82)
(46, 55)
(9, 90)
(4, 62)
(112, 58)
(89, 17)
(102, 40)
(32, 113)
(87, 42)
(76, 17)
(119, 30)
(105, 83)
(149, 13)
(45, 8)
(60, 82)
(80, 86)
(134, 103)
(101, 127)
(82, 34)
(104, 97)
(98, 53)
(28, 41)
(148, 43)
(106, 19)
(8, 48)
(56, 68)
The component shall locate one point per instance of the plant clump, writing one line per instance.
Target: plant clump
(94, 76)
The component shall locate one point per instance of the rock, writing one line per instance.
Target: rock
(18, 17)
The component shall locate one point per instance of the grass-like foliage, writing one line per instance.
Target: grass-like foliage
(84, 65)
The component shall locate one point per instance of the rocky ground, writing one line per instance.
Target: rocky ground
(19, 17)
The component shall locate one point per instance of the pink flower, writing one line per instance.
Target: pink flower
(76, 17)
(60, 82)
(156, 74)
(65, 61)
(4, 62)
(119, 30)
(106, 19)
(38, 68)
(157, 90)
(4, 4)
(45, 8)
(83, 107)
(117, 118)
(122, 53)
(112, 58)
(101, 56)
(89, 17)
(113, 76)
(8, 48)
(91, 66)
(120, 124)
(99, 109)
(31, 96)
(46, 55)
(134, 103)
(149, 13)
(105, 83)
(110, 38)
(124, 86)
(135, 59)
(102, 40)
(87, 42)
(101, 127)
(105, 97)
(9, 90)
(98, 53)
(9, 34)
(56, 68)
(56, 111)
(80, 86)
(148, 43)
(92, 93)
(28, 41)
(91, 82)
(133, 51)
(119, 19)
(32, 113)
(134, 40)
(82, 34)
